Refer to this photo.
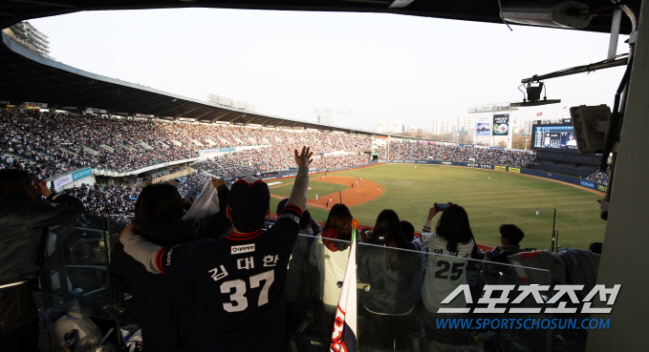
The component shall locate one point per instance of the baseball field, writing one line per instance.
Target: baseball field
(491, 198)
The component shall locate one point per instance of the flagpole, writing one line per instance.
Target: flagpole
(344, 336)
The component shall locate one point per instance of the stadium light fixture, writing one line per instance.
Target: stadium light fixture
(532, 95)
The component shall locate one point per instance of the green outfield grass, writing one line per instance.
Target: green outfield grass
(491, 198)
(320, 188)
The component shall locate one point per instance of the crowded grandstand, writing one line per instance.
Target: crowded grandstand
(48, 145)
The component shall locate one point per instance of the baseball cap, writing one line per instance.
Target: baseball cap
(249, 197)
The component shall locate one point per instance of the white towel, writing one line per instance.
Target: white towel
(206, 204)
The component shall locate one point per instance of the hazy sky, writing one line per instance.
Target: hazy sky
(384, 67)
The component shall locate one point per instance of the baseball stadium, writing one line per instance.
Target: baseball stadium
(133, 218)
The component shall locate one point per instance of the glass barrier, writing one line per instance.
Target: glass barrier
(313, 283)
(536, 223)
(399, 307)
(399, 294)
(114, 226)
(75, 274)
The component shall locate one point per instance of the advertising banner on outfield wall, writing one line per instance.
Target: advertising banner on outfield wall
(517, 170)
(69, 178)
(77, 175)
(483, 125)
(501, 124)
(588, 184)
(480, 166)
(62, 181)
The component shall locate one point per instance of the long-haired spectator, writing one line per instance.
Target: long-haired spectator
(330, 254)
(24, 220)
(158, 204)
(393, 271)
(454, 228)
(452, 238)
(338, 226)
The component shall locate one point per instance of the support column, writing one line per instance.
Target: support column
(624, 256)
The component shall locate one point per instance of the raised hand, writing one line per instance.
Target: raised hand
(304, 158)
(432, 211)
(42, 187)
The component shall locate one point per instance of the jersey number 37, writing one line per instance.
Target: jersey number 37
(238, 301)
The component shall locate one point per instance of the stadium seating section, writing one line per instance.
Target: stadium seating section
(50, 145)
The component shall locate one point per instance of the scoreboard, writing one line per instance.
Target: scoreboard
(558, 142)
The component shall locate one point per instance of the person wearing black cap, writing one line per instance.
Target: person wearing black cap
(243, 272)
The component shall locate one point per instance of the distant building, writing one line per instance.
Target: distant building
(331, 116)
(30, 38)
(443, 125)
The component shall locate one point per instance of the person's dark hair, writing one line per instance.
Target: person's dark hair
(305, 220)
(388, 225)
(281, 205)
(454, 227)
(248, 203)
(366, 233)
(14, 184)
(408, 230)
(338, 226)
(512, 233)
(596, 247)
(158, 204)
(247, 224)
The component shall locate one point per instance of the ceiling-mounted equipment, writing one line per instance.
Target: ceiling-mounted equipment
(591, 125)
(557, 14)
(532, 96)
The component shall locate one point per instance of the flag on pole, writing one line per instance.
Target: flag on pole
(344, 335)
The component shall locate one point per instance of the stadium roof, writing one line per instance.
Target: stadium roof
(26, 76)
(13, 11)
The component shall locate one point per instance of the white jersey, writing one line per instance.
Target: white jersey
(332, 266)
(444, 273)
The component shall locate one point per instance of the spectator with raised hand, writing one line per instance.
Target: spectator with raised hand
(24, 221)
(170, 308)
(452, 238)
(244, 272)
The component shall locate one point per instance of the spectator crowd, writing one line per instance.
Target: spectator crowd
(599, 177)
(51, 144)
(453, 152)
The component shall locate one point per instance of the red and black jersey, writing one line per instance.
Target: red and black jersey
(244, 276)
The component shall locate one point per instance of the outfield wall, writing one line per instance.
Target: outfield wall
(293, 171)
(539, 173)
